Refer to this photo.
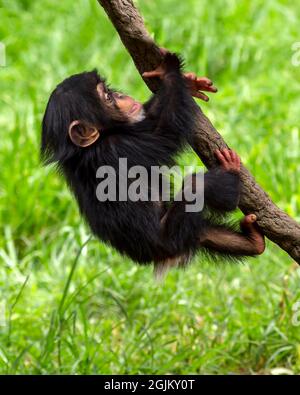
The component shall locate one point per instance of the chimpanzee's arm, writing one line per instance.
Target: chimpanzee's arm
(170, 110)
(222, 184)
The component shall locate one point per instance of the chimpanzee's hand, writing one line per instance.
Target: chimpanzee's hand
(195, 84)
(199, 84)
(171, 62)
(229, 160)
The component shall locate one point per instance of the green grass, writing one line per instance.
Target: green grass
(67, 307)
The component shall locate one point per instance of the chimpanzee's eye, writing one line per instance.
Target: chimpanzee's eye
(108, 96)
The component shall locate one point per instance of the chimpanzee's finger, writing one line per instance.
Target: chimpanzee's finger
(163, 51)
(207, 88)
(151, 74)
(232, 155)
(205, 81)
(212, 89)
(219, 154)
(226, 154)
(191, 76)
(238, 160)
(200, 95)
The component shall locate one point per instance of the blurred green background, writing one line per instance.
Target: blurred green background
(70, 308)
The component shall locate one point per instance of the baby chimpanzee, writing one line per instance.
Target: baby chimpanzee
(87, 126)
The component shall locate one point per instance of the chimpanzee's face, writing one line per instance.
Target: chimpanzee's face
(85, 107)
(126, 104)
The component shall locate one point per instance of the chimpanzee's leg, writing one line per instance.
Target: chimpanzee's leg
(221, 192)
(185, 232)
(215, 239)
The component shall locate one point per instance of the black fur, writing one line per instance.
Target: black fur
(133, 228)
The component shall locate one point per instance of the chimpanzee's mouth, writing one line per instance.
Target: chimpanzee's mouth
(136, 106)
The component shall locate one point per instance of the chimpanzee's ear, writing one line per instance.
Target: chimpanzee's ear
(82, 134)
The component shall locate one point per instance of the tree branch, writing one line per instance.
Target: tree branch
(274, 223)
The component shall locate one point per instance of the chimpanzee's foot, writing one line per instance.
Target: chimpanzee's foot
(248, 242)
(229, 160)
(250, 228)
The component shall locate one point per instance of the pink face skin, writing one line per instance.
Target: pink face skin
(126, 104)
